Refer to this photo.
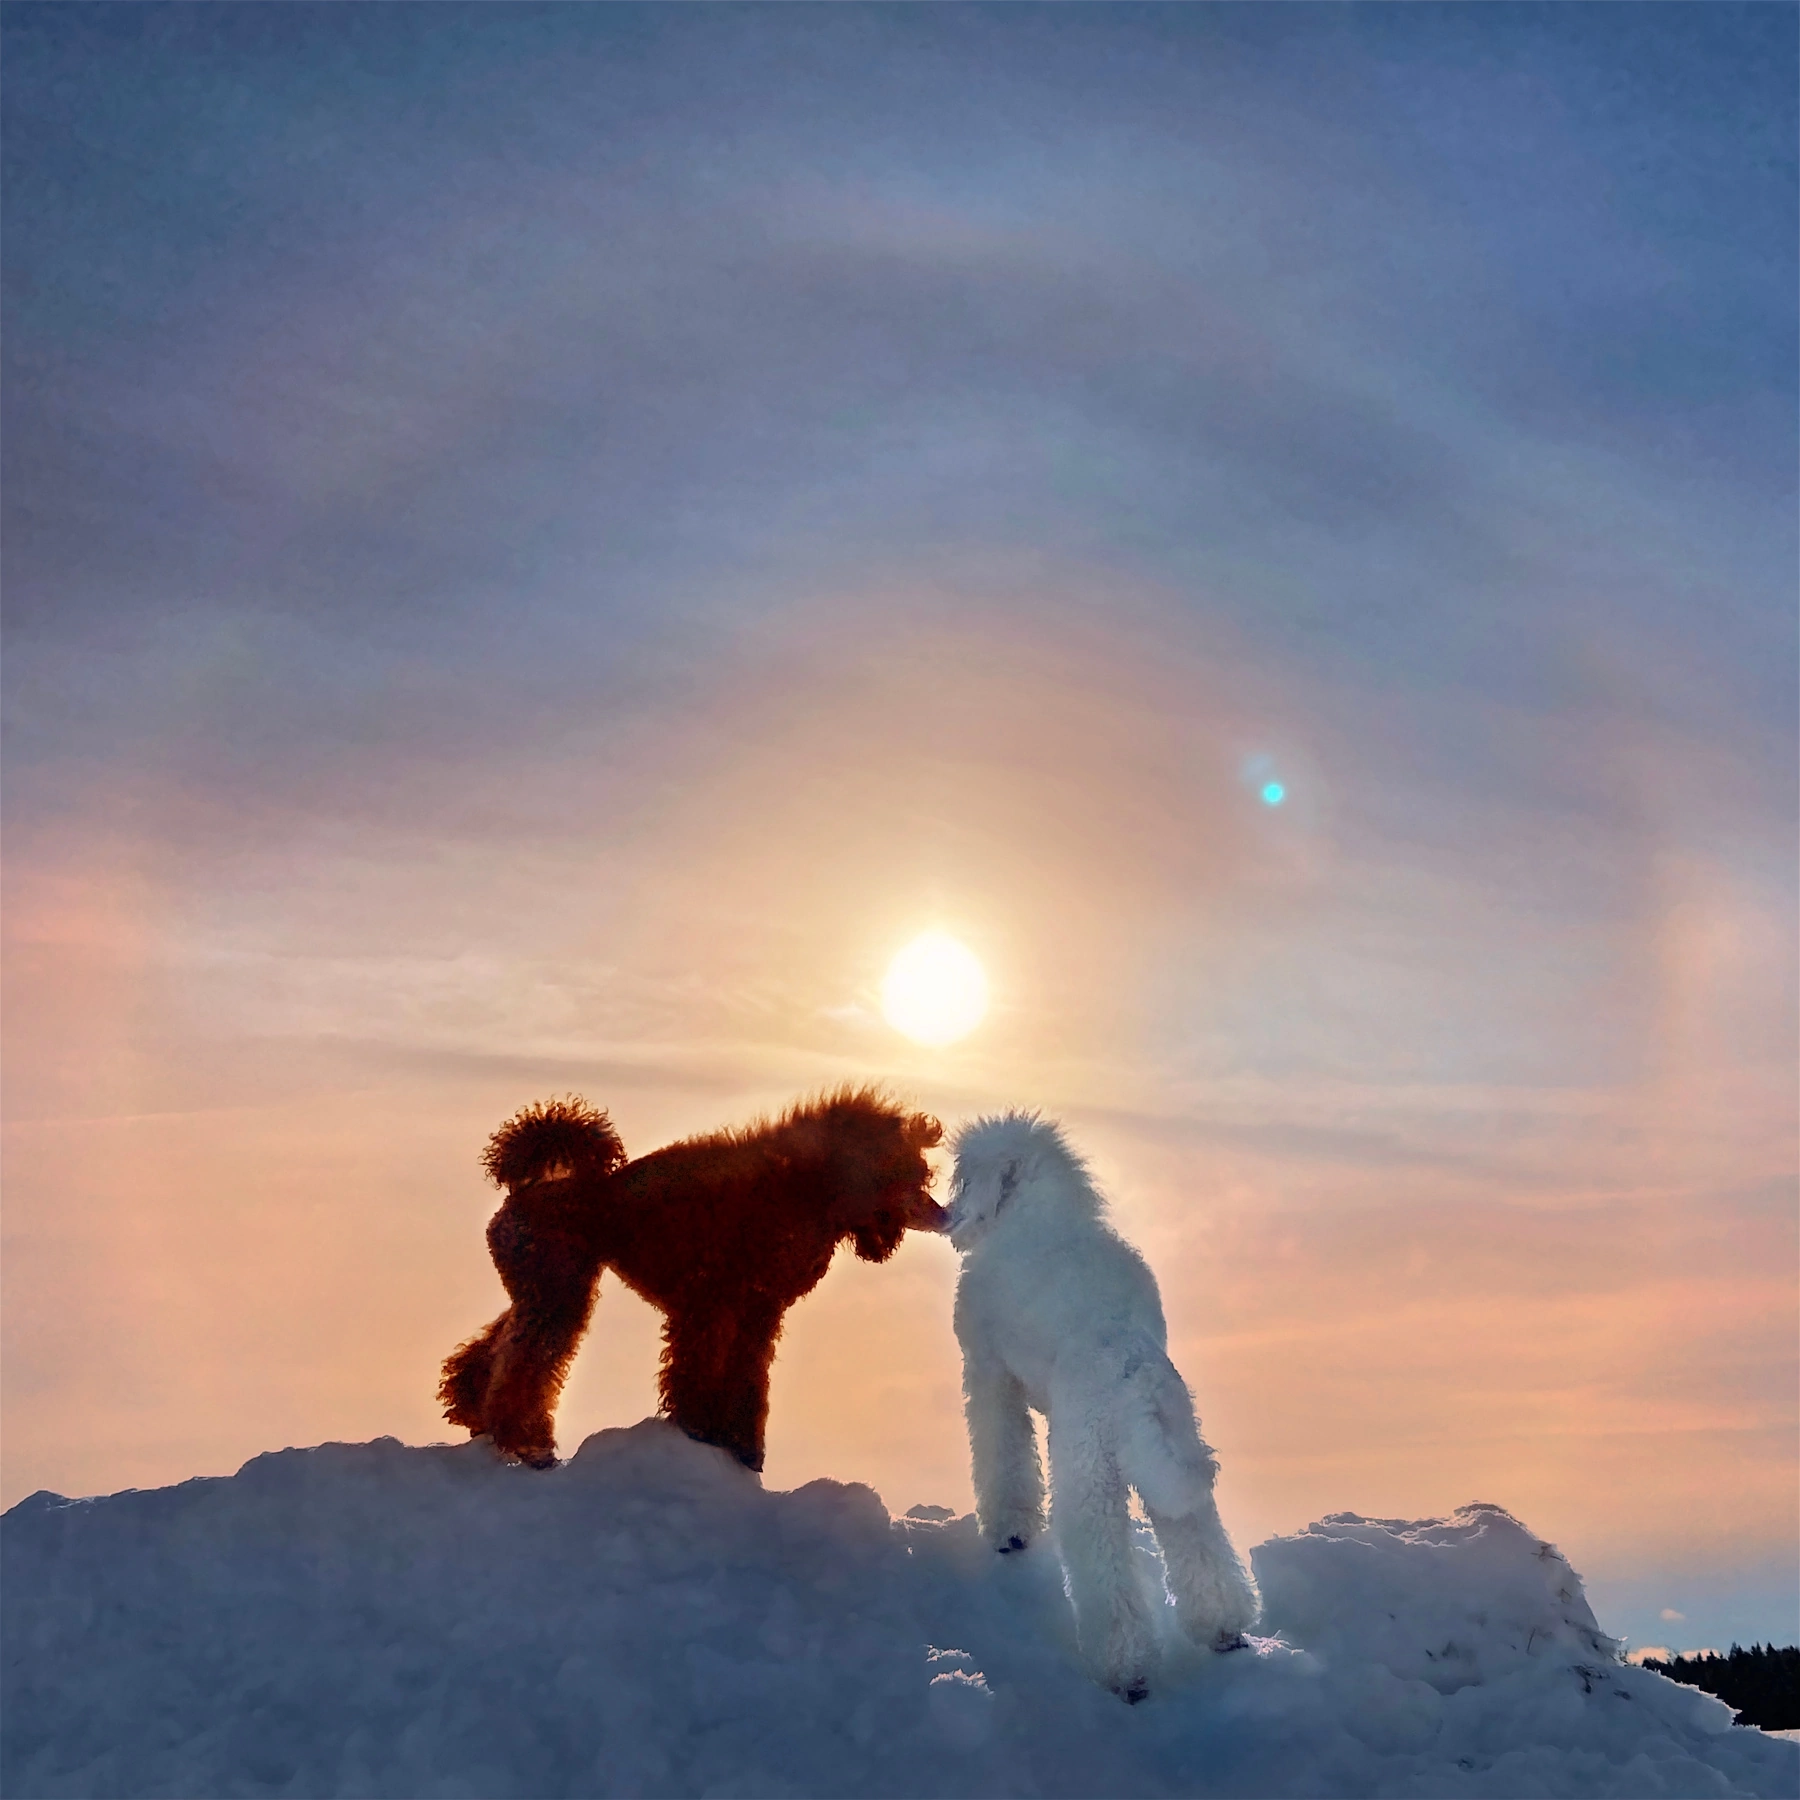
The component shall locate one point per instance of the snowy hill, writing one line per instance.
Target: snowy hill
(368, 1619)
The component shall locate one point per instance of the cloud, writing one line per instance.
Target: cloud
(539, 552)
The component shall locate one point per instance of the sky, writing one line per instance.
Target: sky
(543, 544)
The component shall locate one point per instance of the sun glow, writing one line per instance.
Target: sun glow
(935, 991)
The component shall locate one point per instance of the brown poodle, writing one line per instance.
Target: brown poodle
(723, 1233)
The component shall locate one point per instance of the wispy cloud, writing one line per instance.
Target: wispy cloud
(539, 549)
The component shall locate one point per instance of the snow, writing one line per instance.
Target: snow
(372, 1619)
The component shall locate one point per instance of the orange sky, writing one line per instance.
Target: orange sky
(542, 545)
(249, 1090)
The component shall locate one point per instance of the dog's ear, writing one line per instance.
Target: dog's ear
(1009, 1181)
(807, 1139)
(922, 1131)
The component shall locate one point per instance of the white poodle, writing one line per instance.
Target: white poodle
(1055, 1311)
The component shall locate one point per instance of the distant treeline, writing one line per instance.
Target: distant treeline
(1762, 1683)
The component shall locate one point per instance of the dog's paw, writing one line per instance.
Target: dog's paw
(1013, 1528)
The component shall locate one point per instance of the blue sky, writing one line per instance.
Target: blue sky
(540, 543)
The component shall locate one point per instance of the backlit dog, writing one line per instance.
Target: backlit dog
(723, 1233)
(1056, 1313)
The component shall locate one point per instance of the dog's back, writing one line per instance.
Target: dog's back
(1047, 1285)
(759, 1211)
(698, 1215)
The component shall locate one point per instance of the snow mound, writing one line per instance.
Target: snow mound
(368, 1619)
(1450, 1602)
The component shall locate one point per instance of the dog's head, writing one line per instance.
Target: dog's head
(999, 1160)
(876, 1172)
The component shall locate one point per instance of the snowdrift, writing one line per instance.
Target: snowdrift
(369, 1619)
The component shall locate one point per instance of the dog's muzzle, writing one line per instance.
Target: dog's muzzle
(924, 1214)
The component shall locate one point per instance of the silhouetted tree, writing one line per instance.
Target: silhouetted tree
(1762, 1683)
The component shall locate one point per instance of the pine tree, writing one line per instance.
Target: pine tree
(1761, 1684)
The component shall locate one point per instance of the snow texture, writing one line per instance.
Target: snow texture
(368, 1619)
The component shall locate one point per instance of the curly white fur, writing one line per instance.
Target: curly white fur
(1056, 1312)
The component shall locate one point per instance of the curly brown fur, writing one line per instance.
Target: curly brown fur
(552, 1137)
(722, 1232)
(506, 1380)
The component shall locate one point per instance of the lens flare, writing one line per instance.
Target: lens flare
(1273, 793)
(935, 991)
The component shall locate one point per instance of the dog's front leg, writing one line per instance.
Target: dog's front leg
(715, 1371)
(1003, 1451)
(743, 1394)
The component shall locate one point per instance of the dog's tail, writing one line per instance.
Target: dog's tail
(553, 1137)
(1160, 1446)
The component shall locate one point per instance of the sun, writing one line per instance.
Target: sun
(935, 991)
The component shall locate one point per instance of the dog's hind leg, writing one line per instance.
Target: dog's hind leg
(531, 1362)
(462, 1391)
(1215, 1599)
(552, 1275)
(1093, 1528)
(1173, 1470)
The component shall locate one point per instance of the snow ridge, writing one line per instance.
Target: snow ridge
(369, 1619)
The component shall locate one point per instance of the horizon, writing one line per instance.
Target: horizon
(543, 546)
